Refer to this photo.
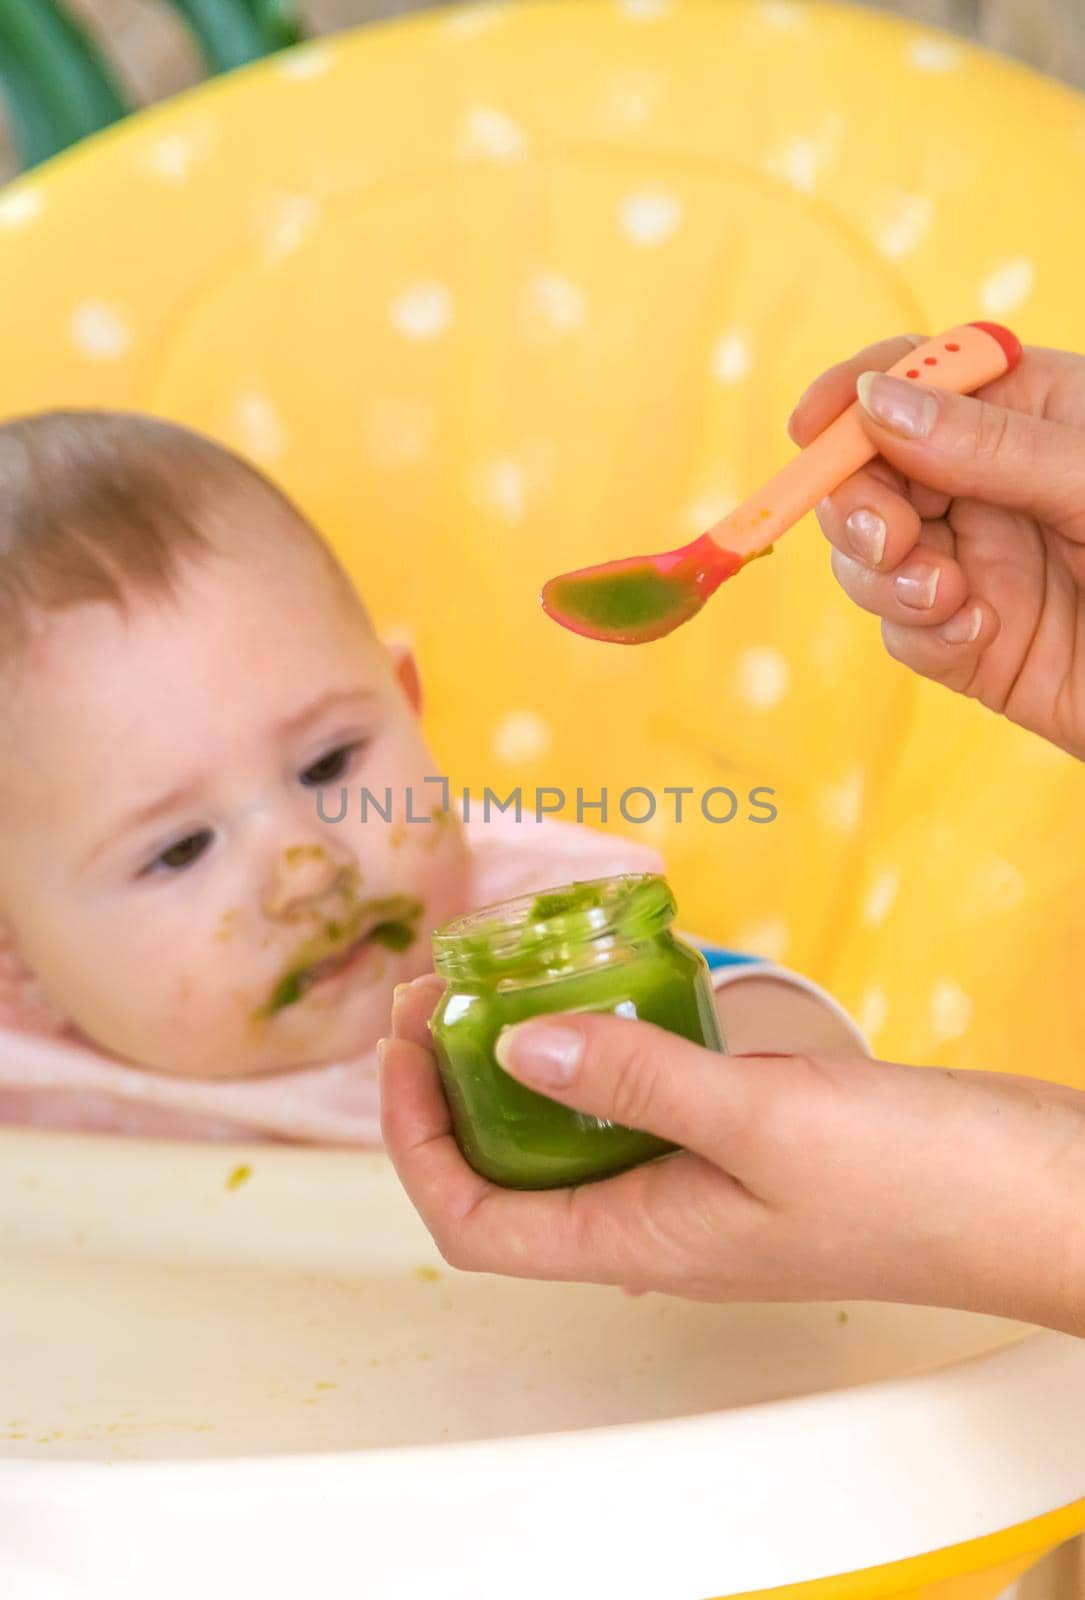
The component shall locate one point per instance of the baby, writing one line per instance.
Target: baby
(191, 943)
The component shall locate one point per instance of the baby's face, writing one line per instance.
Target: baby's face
(165, 869)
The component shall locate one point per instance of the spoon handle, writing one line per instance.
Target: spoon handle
(961, 360)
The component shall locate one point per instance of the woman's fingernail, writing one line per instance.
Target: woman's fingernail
(382, 1047)
(964, 628)
(540, 1052)
(898, 404)
(917, 586)
(866, 532)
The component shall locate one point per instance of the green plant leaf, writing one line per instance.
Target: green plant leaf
(57, 85)
(231, 33)
(280, 21)
(33, 129)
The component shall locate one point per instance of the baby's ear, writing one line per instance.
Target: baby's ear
(406, 670)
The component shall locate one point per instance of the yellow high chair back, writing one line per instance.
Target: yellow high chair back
(505, 290)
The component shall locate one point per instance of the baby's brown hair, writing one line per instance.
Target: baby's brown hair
(104, 505)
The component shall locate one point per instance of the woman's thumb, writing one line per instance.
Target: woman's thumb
(636, 1074)
(966, 446)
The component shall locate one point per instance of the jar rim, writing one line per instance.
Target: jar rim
(543, 931)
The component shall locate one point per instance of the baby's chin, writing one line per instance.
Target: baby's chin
(338, 1022)
(279, 1029)
(298, 1044)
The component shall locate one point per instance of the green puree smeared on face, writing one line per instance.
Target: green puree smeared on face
(603, 945)
(390, 921)
(285, 993)
(394, 935)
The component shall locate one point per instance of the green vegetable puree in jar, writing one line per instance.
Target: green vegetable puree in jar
(604, 945)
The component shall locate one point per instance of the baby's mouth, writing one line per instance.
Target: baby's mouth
(390, 922)
(333, 964)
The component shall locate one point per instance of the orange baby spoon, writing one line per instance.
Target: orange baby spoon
(644, 597)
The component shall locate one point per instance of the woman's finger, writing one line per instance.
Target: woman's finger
(477, 1226)
(413, 1004)
(834, 391)
(969, 447)
(951, 653)
(598, 1233)
(870, 522)
(931, 504)
(926, 590)
(416, 1125)
(641, 1076)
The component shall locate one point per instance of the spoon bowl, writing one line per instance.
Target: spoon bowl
(640, 598)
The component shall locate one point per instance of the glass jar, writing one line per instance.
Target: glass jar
(601, 945)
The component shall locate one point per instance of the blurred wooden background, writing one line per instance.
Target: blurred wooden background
(154, 57)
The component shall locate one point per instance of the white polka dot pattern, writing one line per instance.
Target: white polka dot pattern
(521, 736)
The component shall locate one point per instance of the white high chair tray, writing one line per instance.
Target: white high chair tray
(277, 1381)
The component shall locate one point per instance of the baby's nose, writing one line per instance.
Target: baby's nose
(302, 875)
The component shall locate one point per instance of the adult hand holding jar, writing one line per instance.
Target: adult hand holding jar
(818, 1176)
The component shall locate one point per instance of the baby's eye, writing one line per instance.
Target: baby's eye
(183, 853)
(330, 767)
